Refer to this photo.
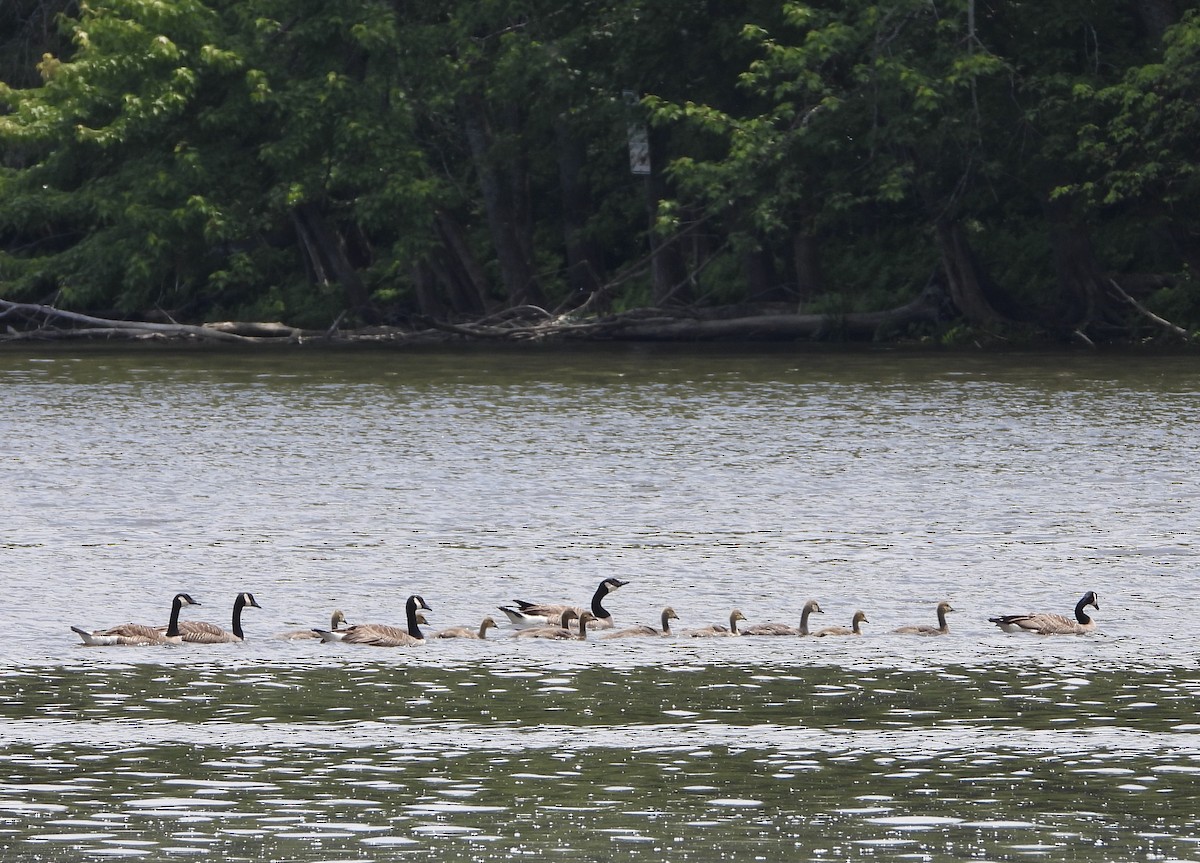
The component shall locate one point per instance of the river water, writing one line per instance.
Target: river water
(710, 479)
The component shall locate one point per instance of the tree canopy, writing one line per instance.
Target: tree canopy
(987, 167)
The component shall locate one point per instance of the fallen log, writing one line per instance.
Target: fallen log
(1173, 329)
(260, 329)
(107, 327)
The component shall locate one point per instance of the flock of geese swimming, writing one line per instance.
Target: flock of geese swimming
(550, 621)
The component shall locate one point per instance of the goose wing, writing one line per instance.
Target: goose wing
(202, 632)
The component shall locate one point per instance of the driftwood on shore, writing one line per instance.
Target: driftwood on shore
(35, 322)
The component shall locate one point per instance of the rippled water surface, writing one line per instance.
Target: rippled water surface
(710, 479)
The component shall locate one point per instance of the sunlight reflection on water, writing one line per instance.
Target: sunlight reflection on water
(710, 479)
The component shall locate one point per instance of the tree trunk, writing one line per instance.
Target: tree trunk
(503, 213)
(584, 257)
(967, 281)
(1084, 287)
(1157, 16)
(428, 301)
(761, 282)
(327, 251)
(671, 284)
(807, 261)
(470, 282)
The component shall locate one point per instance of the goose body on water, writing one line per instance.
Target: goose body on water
(1053, 624)
(337, 623)
(943, 628)
(783, 628)
(645, 630)
(562, 630)
(859, 618)
(530, 614)
(202, 632)
(383, 634)
(717, 630)
(467, 632)
(137, 634)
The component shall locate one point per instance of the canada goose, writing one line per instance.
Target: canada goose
(668, 614)
(1052, 624)
(783, 628)
(528, 614)
(467, 632)
(716, 630)
(385, 635)
(138, 633)
(337, 623)
(563, 630)
(200, 632)
(852, 629)
(943, 608)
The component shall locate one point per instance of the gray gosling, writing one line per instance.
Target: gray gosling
(645, 630)
(853, 629)
(467, 632)
(717, 630)
(943, 628)
(337, 623)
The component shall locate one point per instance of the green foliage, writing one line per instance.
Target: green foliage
(259, 157)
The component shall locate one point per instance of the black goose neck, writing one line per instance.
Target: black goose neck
(173, 624)
(598, 609)
(413, 628)
(238, 605)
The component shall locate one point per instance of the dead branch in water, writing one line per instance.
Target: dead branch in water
(94, 327)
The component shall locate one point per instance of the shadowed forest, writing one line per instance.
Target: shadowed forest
(966, 171)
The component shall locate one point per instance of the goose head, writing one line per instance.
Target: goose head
(246, 599)
(611, 584)
(183, 599)
(568, 615)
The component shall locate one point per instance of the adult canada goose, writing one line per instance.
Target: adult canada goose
(668, 614)
(200, 632)
(852, 629)
(1052, 624)
(527, 614)
(717, 630)
(466, 631)
(563, 630)
(943, 628)
(337, 623)
(138, 633)
(783, 628)
(386, 635)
